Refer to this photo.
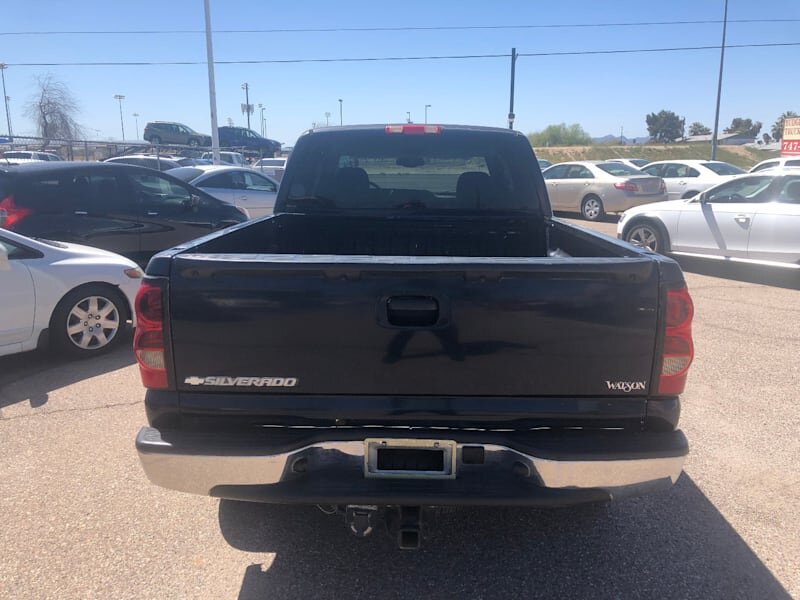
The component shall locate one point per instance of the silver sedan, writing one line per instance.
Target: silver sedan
(595, 188)
(248, 190)
(753, 218)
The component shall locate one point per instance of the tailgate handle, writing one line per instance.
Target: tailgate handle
(412, 311)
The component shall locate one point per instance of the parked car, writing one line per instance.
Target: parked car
(274, 167)
(129, 210)
(189, 161)
(543, 164)
(416, 330)
(754, 217)
(248, 140)
(30, 155)
(781, 161)
(251, 192)
(159, 163)
(228, 158)
(164, 132)
(636, 163)
(687, 178)
(595, 188)
(79, 299)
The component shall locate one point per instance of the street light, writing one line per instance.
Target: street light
(3, 68)
(327, 118)
(246, 89)
(120, 97)
(427, 106)
(340, 112)
(263, 121)
(136, 116)
(408, 116)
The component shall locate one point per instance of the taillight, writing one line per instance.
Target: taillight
(628, 186)
(148, 342)
(413, 129)
(10, 213)
(678, 350)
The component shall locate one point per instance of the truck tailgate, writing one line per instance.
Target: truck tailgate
(361, 325)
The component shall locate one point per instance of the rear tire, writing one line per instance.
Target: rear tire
(194, 143)
(592, 208)
(647, 234)
(88, 321)
(155, 140)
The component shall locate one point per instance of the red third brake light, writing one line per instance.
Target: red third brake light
(413, 129)
(678, 350)
(10, 214)
(148, 342)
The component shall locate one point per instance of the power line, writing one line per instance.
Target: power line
(397, 58)
(399, 28)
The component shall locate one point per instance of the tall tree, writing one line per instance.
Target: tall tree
(665, 126)
(697, 128)
(745, 127)
(54, 110)
(560, 135)
(777, 127)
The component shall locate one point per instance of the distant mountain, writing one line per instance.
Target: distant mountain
(610, 139)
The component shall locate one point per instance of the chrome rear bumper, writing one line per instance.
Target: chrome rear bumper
(244, 472)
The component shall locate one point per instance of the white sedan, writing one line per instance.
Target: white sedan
(78, 298)
(687, 178)
(248, 190)
(752, 218)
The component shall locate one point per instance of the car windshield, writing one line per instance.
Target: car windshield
(373, 170)
(640, 162)
(721, 168)
(618, 169)
(186, 173)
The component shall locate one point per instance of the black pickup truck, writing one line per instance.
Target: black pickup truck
(412, 327)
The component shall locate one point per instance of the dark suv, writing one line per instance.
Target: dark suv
(248, 140)
(163, 132)
(133, 211)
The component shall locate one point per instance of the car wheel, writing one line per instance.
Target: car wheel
(194, 143)
(155, 140)
(647, 234)
(89, 320)
(592, 208)
(691, 194)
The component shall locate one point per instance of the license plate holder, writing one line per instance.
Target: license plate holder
(409, 458)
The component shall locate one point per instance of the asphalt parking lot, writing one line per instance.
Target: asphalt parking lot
(80, 520)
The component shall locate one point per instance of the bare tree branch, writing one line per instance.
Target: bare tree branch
(54, 109)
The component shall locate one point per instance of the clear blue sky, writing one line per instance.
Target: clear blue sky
(602, 93)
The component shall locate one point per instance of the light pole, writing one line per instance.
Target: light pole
(3, 68)
(427, 106)
(719, 84)
(327, 118)
(136, 117)
(212, 86)
(408, 116)
(263, 121)
(340, 113)
(120, 97)
(246, 89)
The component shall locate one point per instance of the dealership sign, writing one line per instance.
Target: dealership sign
(790, 144)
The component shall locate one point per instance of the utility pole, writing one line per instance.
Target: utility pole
(120, 97)
(340, 113)
(136, 117)
(427, 106)
(719, 84)
(212, 86)
(511, 115)
(246, 89)
(3, 68)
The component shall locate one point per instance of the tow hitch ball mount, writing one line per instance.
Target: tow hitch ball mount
(404, 521)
